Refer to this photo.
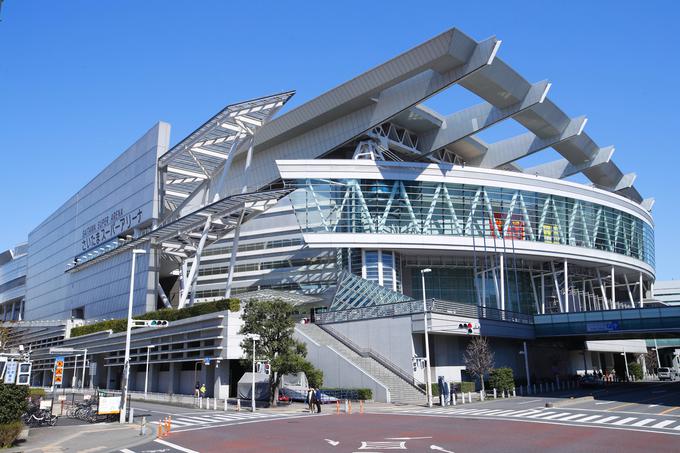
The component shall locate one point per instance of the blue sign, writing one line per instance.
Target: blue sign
(206, 361)
(602, 326)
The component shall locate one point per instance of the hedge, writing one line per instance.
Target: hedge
(168, 314)
(13, 403)
(635, 370)
(36, 393)
(502, 379)
(453, 386)
(350, 393)
(9, 433)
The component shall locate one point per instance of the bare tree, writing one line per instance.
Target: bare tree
(651, 362)
(479, 358)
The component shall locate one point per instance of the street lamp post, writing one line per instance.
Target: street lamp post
(128, 334)
(146, 376)
(82, 382)
(428, 377)
(526, 365)
(625, 360)
(658, 360)
(253, 337)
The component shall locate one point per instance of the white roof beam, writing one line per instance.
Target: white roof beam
(648, 203)
(476, 118)
(510, 150)
(562, 168)
(181, 171)
(625, 182)
(497, 84)
(208, 152)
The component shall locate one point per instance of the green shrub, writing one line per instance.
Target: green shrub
(36, 393)
(635, 370)
(9, 433)
(365, 394)
(502, 379)
(463, 387)
(13, 402)
(168, 314)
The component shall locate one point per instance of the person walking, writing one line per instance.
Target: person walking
(197, 391)
(317, 400)
(310, 399)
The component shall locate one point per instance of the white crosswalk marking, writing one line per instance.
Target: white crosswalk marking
(624, 421)
(573, 416)
(541, 414)
(587, 419)
(190, 420)
(644, 422)
(605, 420)
(663, 424)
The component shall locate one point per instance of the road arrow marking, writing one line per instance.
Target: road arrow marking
(332, 442)
(438, 448)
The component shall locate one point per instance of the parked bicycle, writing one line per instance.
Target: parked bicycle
(35, 417)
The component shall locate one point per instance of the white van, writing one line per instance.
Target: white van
(666, 374)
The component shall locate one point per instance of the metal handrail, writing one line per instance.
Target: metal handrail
(368, 352)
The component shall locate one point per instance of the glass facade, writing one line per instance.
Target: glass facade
(432, 208)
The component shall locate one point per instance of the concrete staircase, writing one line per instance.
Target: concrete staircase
(401, 391)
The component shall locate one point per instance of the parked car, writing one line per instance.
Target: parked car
(590, 381)
(666, 374)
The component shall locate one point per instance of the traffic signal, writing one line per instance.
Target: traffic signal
(157, 323)
(467, 326)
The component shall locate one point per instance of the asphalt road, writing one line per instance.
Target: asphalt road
(623, 418)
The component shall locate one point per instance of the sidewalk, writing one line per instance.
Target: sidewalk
(102, 437)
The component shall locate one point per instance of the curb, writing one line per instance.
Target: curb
(570, 401)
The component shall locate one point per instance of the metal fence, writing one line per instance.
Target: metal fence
(433, 306)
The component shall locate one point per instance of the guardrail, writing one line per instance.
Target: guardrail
(367, 352)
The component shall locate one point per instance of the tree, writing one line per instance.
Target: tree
(651, 362)
(272, 320)
(502, 379)
(479, 358)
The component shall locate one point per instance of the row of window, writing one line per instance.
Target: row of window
(255, 246)
(306, 288)
(267, 265)
(429, 208)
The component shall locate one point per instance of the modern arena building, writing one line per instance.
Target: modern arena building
(346, 206)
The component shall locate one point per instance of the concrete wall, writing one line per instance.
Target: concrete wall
(340, 372)
(389, 337)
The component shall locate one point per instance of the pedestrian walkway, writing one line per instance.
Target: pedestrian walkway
(664, 424)
(183, 422)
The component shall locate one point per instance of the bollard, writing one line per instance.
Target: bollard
(346, 407)
(361, 406)
(552, 386)
(541, 387)
(453, 398)
(481, 395)
(350, 407)
(207, 403)
(337, 407)
(225, 404)
(469, 397)
(142, 427)
(495, 394)
(462, 397)
(534, 392)
(514, 393)
(238, 405)
(169, 426)
(200, 402)
(131, 417)
(159, 433)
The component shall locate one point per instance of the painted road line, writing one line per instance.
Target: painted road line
(559, 415)
(125, 450)
(606, 419)
(573, 416)
(644, 422)
(588, 419)
(603, 402)
(669, 410)
(523, 413)
(624, 421)
(663, 424)
(545, 414)
(175, 446)
(529, 402)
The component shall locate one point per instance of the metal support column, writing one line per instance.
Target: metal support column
(502, 275)
(193, 272)
(642, 292)
(566, 286)
(613, 289)
(234, 252)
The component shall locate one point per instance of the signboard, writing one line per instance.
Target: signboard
(551, 234)
(206, 361)
(515, 226)
(93, 368)
(11, 372)
(58, 370)
(24, 375)
(61, 397)
(108, 405)
(46, 404)
(108, 227)
(602, 326)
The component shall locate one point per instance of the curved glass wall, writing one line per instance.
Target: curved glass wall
(432, 208)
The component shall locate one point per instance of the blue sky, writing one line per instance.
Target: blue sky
(82, 80)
